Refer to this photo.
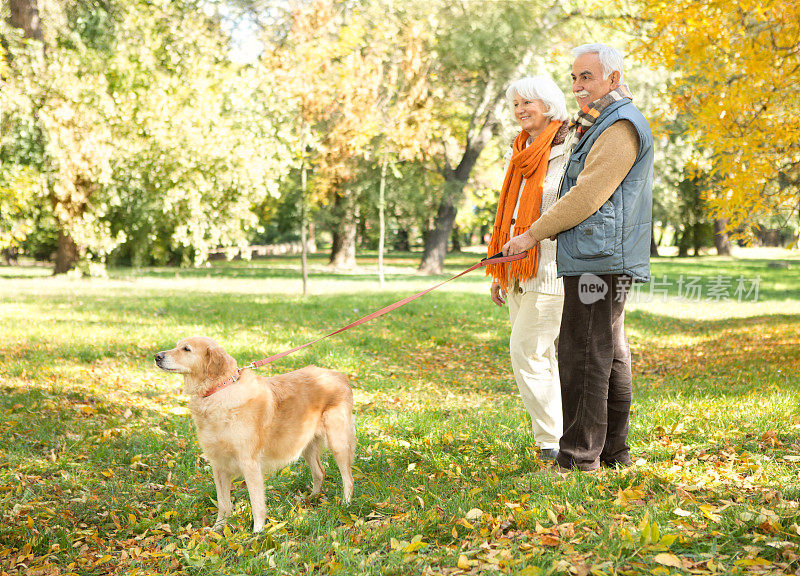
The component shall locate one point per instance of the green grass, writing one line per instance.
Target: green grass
(100, 471)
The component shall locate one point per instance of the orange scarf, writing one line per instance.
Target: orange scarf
(530, 163)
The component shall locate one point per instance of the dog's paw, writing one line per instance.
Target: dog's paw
(258, 528)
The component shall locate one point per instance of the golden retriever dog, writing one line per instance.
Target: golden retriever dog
(257, 425)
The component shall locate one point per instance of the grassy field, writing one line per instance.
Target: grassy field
(100, 471)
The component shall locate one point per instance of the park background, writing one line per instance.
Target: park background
(170, 160)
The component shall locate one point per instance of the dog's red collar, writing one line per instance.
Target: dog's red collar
(223, 384)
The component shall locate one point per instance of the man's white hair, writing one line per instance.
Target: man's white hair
(610, 58)
(540, 88)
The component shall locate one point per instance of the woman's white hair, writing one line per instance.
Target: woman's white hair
(610, 58)
(540, 88)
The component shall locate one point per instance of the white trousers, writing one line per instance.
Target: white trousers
(535, 322)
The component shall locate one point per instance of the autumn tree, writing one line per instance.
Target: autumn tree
(478, 48)
(736, 67)
(322, 66)
(356, 79)
(405, 109)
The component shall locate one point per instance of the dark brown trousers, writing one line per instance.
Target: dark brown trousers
(594, 363)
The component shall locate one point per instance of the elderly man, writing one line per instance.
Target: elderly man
(602, 219)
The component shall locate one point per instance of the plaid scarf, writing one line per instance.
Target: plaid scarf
(586, 116)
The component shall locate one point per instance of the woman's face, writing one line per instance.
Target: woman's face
(529, 113)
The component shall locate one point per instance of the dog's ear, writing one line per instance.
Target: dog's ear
(218, 363)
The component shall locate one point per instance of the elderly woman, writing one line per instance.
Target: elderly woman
(534, 292)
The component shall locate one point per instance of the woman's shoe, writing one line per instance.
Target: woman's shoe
(548, 454)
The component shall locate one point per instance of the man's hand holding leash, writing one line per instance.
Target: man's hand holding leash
(517, 244)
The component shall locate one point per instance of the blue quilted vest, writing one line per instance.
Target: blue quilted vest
(616, 238)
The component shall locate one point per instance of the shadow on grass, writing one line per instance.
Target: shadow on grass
(454, 340)
(396, 265)
(722, 357)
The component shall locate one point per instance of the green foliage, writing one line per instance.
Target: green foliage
(147, 141)
(202, 150)
(16, 211)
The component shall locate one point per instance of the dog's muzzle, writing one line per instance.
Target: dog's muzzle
(160, 358)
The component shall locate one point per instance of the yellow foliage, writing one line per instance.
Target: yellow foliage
(737, 65)
(359, 87)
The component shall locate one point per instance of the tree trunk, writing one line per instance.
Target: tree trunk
(721, 240)
(697, 237)
(382, 219)
(312, 237)
(402, 243)
(684, 241)
(10, 255)
(25, 15)
(67, 254)
(483, 125)
(436, 239)
(343, 251)
(653, 244)
(304, 227)
(455, 238)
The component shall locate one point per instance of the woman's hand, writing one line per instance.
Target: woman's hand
(497, 294)
(518, 244)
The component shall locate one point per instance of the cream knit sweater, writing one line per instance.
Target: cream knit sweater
(546, 280)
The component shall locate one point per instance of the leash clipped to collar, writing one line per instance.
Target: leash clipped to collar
(495, 259)
(224, 383)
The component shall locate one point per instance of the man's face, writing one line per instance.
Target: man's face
(588, 83)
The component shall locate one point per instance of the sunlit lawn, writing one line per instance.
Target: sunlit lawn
(100, 471)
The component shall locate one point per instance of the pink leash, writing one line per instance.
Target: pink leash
(496, 259)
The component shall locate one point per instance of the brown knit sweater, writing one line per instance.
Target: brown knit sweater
(610, 159)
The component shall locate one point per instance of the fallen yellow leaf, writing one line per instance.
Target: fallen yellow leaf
(710, 512)
(552, 516)
(474, 514)
(548, 540)
(668, 559)
(753, 562)
(415, 544)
